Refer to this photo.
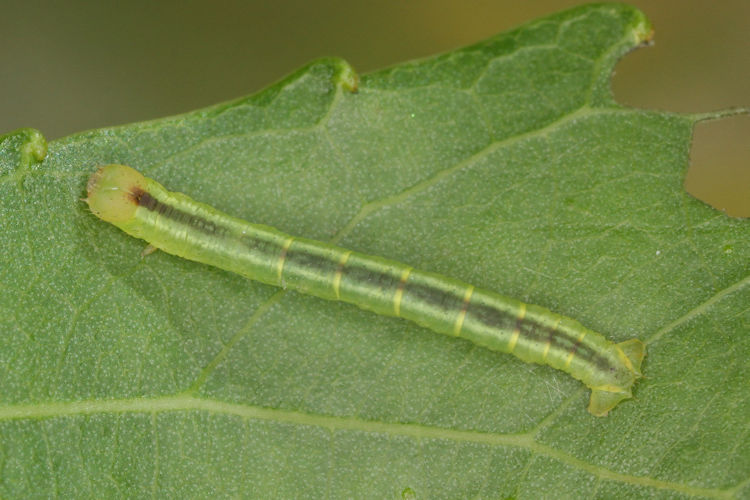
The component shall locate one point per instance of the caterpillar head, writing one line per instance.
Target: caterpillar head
(113, 193)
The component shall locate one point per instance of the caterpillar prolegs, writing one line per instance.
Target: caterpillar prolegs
(178, 225)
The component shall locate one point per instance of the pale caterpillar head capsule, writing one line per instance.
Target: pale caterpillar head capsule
(114, 192)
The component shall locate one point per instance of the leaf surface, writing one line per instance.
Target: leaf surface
(506, 164)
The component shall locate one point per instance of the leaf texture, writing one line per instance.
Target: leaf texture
(506, 164)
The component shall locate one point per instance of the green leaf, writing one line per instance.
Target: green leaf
(506, 164)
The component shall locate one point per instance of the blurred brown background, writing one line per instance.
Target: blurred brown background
(76, 65)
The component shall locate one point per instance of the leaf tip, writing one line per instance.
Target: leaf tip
(345, 76)
(642, 30)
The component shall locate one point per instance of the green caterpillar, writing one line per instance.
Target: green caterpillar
(180, 226)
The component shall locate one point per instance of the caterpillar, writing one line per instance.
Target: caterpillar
(178, 225)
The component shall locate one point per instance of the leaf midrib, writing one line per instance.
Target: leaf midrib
(189, 402)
